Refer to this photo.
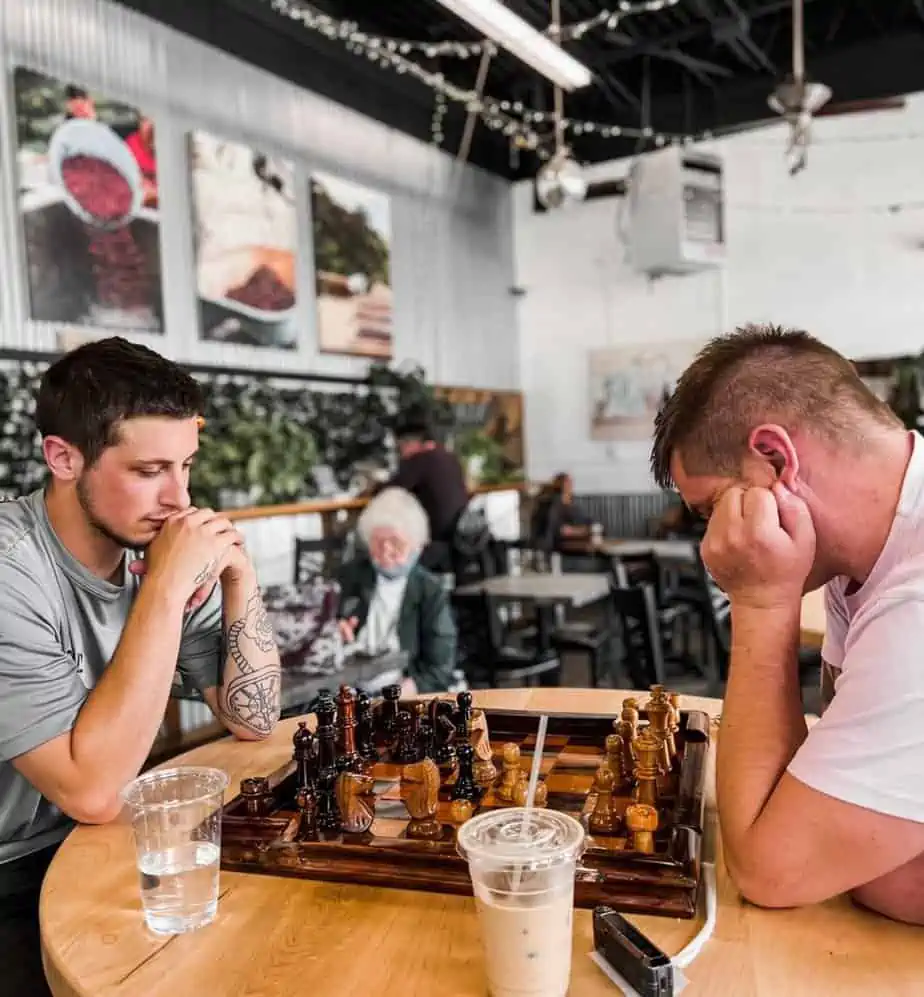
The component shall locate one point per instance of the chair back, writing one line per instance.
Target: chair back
(318, 558)
(637, 611)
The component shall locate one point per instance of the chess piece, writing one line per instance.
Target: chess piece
(405, 751)
(423, 732)
(511, 773)
(659, 718)
(615, 761)
(256, 794)
(648, 751)
(388, 717)
(328, 813)
(642, 821)
(302, 755)
(356, 813)
(522, 788)
(350, 759)
(464, 787)
(463, 717)
(307, 811)
(626, 732)
(604, 819)
(485, 769)
(420, 787)
(365, 731)
(675, 718)
(460, 811)
(444, 734)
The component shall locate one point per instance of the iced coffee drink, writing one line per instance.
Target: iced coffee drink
(522, 865)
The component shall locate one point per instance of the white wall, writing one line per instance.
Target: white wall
(807, 251)
(452, 244)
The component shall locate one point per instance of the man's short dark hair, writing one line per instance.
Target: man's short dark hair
(761, 373)
(415, 425)
(87, 393)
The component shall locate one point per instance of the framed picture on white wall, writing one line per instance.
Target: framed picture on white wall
(352, 256)
(245, 227)
(628, 385)
(88, 199)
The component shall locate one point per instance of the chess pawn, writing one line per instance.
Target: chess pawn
(307, 811)
(626, 732)
(511, 773)
(522, 789)
(460, 811)
(647, 749)
(630, 711)
(464, 787)
(616, 759)
(604, 819)
(463, 717)
(675, 716)
(642, 822)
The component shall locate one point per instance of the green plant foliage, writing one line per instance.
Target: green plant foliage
(344, 242)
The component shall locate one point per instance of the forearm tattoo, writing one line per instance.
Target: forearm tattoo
(251, 699)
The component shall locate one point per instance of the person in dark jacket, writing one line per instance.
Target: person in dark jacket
(434, 475)
(389, 603)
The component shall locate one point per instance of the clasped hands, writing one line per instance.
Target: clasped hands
(196, 548)
(760, 546)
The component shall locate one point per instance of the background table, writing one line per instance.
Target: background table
(283, 937)
(572, 588)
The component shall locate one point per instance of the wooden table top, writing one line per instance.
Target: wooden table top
(572, 588)
(277, 937)
(813, 619)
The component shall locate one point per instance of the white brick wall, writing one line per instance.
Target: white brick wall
(852, 277)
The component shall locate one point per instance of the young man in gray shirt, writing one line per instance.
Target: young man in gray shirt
(109, 582)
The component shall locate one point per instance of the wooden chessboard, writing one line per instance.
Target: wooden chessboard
(663, 883)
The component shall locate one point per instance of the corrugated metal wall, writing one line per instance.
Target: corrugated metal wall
(452, 225)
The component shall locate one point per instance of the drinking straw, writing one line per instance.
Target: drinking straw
(531, 790)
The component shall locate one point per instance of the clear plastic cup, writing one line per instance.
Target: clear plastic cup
(176, 816)
(524, 895)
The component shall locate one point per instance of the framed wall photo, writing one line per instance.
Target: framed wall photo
(628, 385)
(487, 431)
(352, 256)
(245, 229)
(88, 199)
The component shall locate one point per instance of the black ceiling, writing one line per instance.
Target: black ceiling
(699, 65)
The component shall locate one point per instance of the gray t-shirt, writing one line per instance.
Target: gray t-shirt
(59, 627)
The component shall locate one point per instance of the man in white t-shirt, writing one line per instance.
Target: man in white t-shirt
(808, 479)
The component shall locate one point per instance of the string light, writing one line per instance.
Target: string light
(440, 108)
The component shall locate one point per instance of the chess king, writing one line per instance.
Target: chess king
(808, 479)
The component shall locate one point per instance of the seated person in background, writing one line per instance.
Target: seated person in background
(808, 479)
(389, 603)
(91, 637)
(435, 477)
(556, 518)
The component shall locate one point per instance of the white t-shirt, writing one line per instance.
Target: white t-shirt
(379, 634)
(868, 746)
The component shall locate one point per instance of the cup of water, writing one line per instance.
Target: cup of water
(176, 817)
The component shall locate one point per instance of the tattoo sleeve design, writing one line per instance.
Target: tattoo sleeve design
(252, 698)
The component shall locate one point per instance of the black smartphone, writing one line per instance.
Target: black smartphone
(634, 957)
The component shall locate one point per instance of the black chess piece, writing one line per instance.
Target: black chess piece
(406, 749)
(444, 732)
(388, 717)
(365, 732)
(463, 717)
(327, 815)
(304, 756)
(464, 787)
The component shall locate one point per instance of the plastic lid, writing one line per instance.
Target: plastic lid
(497, 838)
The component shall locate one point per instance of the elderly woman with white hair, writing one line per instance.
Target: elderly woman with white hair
(389, 603)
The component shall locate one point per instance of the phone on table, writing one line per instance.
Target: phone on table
(634, 957)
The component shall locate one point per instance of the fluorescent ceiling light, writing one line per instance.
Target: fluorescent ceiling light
(500, 24)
